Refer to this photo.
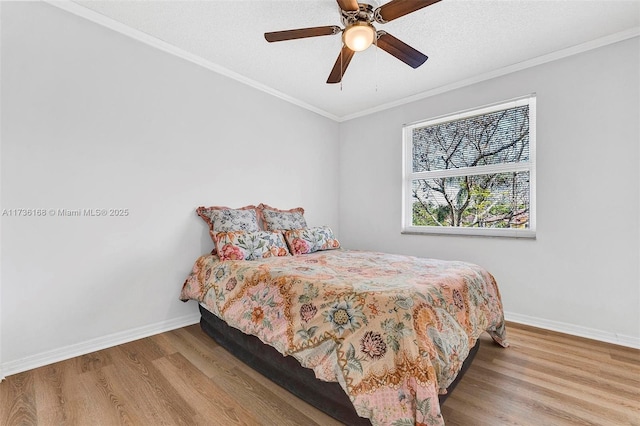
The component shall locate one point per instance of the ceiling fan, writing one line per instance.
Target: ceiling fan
(359, 33)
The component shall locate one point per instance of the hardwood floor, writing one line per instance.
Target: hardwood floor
(183, 377)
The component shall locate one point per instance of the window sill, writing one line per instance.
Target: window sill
(468, 232)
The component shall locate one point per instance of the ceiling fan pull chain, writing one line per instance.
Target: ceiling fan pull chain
(341, 66)
(375, 42)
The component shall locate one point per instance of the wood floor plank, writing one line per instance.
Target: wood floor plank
(549, 397)
(109, 407)
(596, 357)
(163, 343)
(475, 407)
(92, 361)
(152, 347)
(48, 385)
(130, 384)
(590, 394)
(231, 376)
(129, 399)
(184, 377)
(274, 411)
(203, 393)
(17, 400)
(198, 352)
(150, 383)
(49, 393)
(588, 358)
(524, 386)
(304, 408)
(307, 409)
(216, 362)
(620, 378)
(626, 356)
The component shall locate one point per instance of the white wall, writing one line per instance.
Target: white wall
(581, 273)
(94, 119)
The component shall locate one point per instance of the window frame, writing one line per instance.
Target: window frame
(408, 175)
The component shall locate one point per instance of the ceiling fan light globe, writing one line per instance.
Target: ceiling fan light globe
(359, 36)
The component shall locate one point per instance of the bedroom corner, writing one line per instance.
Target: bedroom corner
(95, 121)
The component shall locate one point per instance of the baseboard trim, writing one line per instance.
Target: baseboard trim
(93, 345)
(575, 330)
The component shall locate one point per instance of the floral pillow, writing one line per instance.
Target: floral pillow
(275, 219)
(309, 240)
(224, 219)
(241, 245)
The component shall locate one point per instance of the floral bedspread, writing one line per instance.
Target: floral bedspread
(392, 330)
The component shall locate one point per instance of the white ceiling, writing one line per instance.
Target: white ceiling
(466, 41)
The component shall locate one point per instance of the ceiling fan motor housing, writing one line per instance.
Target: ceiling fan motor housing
(363, 14)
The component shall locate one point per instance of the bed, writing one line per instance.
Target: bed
(287, 372)
(368, 337)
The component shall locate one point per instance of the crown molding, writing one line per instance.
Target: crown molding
(554, 56)
(114, 25)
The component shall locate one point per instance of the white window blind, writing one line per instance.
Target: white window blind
(472, 172)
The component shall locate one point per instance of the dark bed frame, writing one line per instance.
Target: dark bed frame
(287, 372)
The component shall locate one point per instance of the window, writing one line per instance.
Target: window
(472, 173)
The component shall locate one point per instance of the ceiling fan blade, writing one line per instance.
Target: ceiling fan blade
(400, 50)
(348, 5)
(341, 65)
(397, 8)
(302, 33)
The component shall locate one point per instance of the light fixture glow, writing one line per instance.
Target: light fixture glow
(359, 36)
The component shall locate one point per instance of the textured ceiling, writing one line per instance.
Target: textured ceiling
(465, 40)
